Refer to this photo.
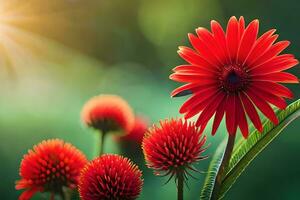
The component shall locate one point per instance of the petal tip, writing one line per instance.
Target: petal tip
(233, 18)
(180, 48)
(213, 132)
(245, 135)
(275, 121)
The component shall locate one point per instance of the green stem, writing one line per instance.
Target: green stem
(61, 194)
(180, 185)
(63, 197)
(66, 193)
(102, 139)
(52, 196)
(223, 167)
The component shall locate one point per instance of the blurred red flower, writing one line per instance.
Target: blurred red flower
(108, 113)
(51, 165)
(173, 147)
(110, 177)
(232, 73)
(137, 133)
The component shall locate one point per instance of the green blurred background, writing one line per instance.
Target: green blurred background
(55, 55)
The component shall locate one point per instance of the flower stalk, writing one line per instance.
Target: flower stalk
(180, 177)
(102, 139)
(66, 194)
(223, 167)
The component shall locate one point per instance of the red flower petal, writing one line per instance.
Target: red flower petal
(212, 48)
(277, 89)
(190, 77)
(189, 86)
(219, 115)
(248, 40)
(242, 26)
(230, 117)
(190, 68)
(269, 97)
(251, 112)
(263, 106)
(210, 109)
(241, 117)
(200, 106)
(277, 64)
(232, 37)
(220, 38)
(273, 51)
(193, 58)
(203, 50)
(282, 77)
(262, 45)
(206, 93)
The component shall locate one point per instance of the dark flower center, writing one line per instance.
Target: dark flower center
(233, 78)
(106, 125)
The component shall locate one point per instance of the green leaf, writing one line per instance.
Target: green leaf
(246, 150)
(213, 168)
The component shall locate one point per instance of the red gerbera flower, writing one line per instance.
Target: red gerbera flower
(233, 74)
(108, 113)
(110, 177)
(173, 147)
(137, 132)
(51, 165)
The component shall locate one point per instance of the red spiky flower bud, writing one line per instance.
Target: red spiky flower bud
(137, 132)
(110, 177)
(173, 147)
(108, 113)
(50, 166)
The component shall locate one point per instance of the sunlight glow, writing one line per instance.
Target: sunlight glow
(24, 24)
